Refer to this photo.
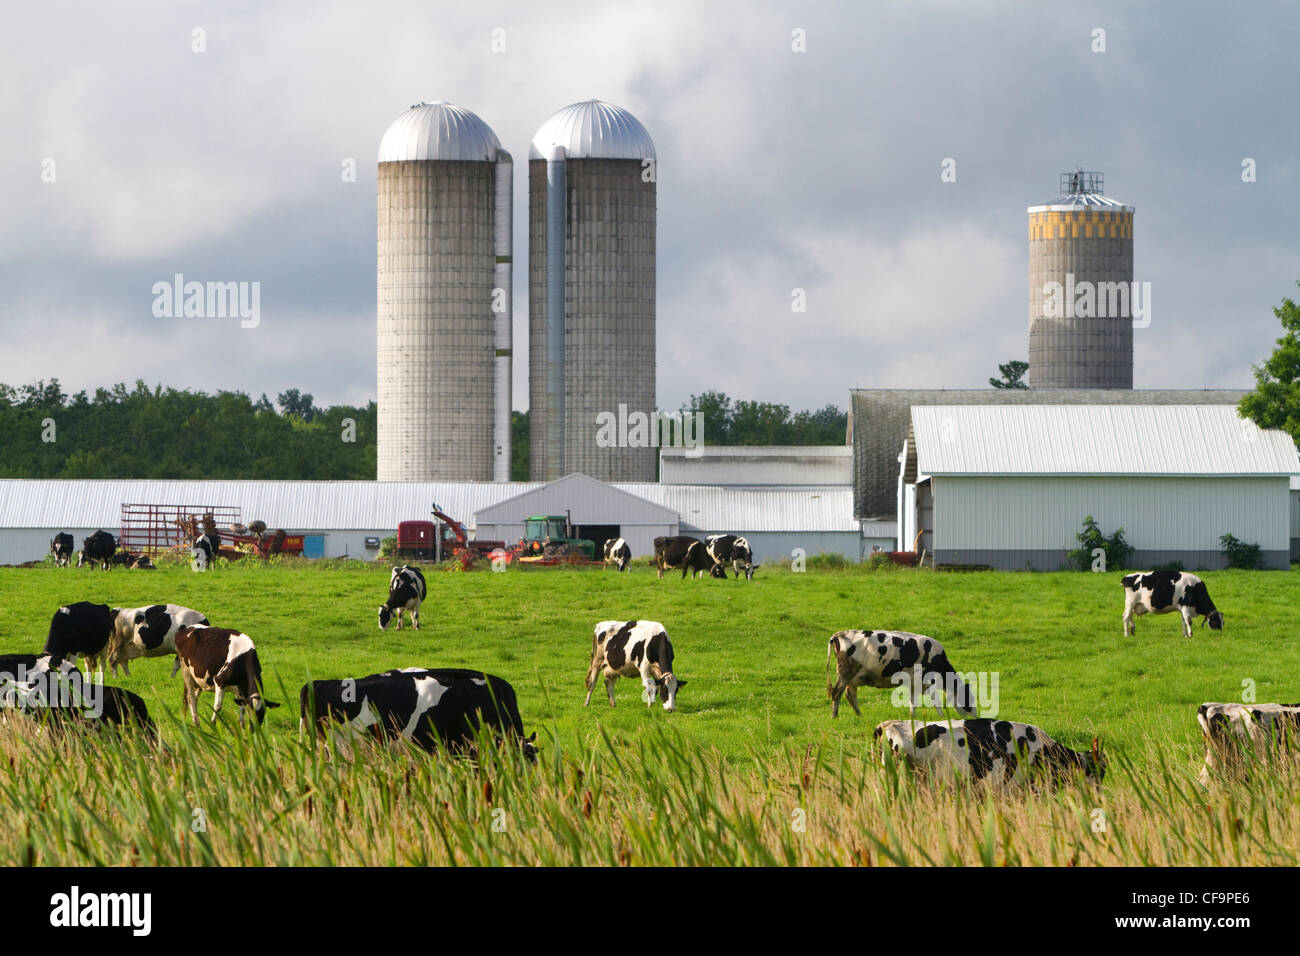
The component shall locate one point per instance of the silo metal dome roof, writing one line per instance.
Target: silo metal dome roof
(593, 129)
(438, 130)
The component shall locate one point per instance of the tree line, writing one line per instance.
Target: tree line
(170, 433)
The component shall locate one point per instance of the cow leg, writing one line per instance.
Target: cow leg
(651, 690)
(1188, 616)
(1129, 627)
(610, 680)
(415, 619)
(851, 695)
(835, 698)
(592, 673)
(217, 696)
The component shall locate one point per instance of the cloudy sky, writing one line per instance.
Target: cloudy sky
(777, 170)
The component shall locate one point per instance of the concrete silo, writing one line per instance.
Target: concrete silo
(1080, 282)
(591, 291)
(444, 346)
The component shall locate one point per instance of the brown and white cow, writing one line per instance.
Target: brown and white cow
(632, 649)
(983, 748)
(1234, 731)
(890, 659)
(1159, 592)
(219, 659)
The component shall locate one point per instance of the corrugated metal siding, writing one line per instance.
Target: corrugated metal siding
(745, 509)
(1097, 440)
(1030, 513)
(739, 466)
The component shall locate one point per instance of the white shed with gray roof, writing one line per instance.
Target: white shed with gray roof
(1009, 485)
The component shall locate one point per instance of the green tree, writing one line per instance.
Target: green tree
(1275, 402)
(1013, 374)
(520, 456)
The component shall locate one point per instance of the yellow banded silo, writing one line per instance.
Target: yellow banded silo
(444, 352)
(591, 292)
(1080, 285)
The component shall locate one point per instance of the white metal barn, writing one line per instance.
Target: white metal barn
(1009, 485)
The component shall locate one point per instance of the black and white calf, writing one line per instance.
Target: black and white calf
(981, 748)
(634, 649)
(431, 708)
(405, 592)
(618, 553)
(99, 549)
(148, 631)
(219, 659)
(204, 552)
(81, 630)
(1233, 730)
(1159, 592)
(61, 546)
(731, 549)
(891, 658)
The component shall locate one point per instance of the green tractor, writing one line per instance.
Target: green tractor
(548, 539)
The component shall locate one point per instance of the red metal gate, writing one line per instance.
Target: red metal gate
(153, 529)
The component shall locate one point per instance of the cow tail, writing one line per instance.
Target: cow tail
(830, 685)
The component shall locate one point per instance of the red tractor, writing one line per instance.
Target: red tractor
(441, 540)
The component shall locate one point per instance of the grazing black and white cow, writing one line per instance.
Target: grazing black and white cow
(982, 748)
(219, 659)
(99, 549)
(1159, 592)
(1233, 730)
(148, 631)
(618, 553)
(81, 630)
(204, 552)
(405, 592)
(687, 553)
(634, 649)
(891, 658)
(61, 546)
(431, 708)
(732, 549)
(45, 686)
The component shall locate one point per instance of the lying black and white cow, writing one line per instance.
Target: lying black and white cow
(731, 549)
(1159, 592)
(431, 708)
(634, 649)
(981, 748)
(46, 687)
(61, 546)
(618, 553)
(1234, 730)
(81, 630)
(219, 659)
(99, 549)
(891, 658)
(405, 592)
(132, 561)
(148, 631)
(204, 552)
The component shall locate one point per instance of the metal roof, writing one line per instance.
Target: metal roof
(55, 504)
(590, 500)
(438, 130)
(1081, 189)
(293, 505)
(593, 129)
(1058, 440)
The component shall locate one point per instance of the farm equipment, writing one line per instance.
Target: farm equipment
(548, 540)
(445, 538)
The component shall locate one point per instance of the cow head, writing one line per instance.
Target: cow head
(1215, 620)
(749, 570)
(81, 558)
(258, 704)
(385, 616)
(718, 571)
(667, 684)
(530, 748)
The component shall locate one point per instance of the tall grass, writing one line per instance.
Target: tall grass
(224, 796)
